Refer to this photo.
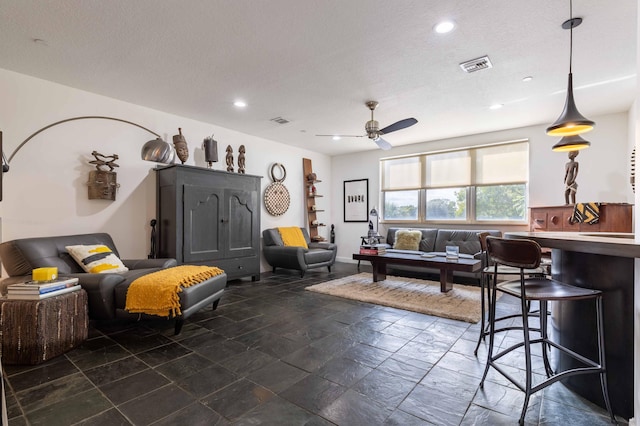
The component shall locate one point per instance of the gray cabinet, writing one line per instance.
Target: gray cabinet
(209, 217)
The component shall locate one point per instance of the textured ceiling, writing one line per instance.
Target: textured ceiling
(315, 63)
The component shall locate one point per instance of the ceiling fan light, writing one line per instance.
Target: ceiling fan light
(571, 143)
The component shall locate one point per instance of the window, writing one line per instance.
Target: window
(484, 184)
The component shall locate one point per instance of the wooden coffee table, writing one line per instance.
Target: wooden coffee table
(379, 264)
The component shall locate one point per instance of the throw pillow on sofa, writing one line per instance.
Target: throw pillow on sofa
(96, 259)
(407, 240)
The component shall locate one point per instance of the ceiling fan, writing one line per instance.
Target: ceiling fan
(374, 132)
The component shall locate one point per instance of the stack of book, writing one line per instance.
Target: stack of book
(376, 249)
(36, 290)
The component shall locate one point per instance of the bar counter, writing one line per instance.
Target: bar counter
(602, 261)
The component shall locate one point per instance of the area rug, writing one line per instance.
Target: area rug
(461, 303)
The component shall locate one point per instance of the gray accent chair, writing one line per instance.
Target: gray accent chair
(280, 256)
(107, 292)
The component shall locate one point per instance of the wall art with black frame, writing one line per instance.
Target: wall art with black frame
(356, 200)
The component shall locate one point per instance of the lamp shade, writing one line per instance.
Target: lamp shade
(571, 143)
(570, 122)
(159, 151)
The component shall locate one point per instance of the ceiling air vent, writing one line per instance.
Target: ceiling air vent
(280, 120)
(476, 64)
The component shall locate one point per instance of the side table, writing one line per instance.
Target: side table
(34, 331)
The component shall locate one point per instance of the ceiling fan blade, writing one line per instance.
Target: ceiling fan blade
(345, 136)
(399, 125)
(382, 143)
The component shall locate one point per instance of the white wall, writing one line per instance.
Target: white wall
(603, 175)
(45, 191)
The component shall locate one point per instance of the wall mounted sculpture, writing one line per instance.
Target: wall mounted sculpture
(102, 182)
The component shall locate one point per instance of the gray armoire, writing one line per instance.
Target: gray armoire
(209, 217)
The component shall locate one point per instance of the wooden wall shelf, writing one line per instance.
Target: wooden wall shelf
(312, 215)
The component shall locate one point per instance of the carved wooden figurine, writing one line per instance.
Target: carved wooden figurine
(241, 159)
(570, 175)
(229, 158)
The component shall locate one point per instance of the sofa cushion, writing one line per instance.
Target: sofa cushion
(96, 258)
(467, 240)
(407, 240)
(427, 243)
(292, 236)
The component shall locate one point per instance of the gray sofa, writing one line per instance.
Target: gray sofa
(436, 240)
(280, 256)
(107, 292)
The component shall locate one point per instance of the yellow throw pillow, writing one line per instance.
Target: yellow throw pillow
(292, 236)
(96, 259)
(407, 240)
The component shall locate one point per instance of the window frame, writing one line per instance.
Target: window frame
(470, 189)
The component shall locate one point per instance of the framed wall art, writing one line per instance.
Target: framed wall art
(356, 200)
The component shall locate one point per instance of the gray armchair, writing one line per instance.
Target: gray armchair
(280, 256)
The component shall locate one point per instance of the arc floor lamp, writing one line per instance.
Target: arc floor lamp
(156, 150)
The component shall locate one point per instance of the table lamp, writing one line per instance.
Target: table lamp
(374, 213)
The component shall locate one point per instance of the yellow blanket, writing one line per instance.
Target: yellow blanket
(292, 236)
(157, 293)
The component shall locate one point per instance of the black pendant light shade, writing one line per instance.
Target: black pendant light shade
(571, 143)
(570, 122)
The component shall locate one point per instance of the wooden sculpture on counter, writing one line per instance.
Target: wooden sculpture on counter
(570, 175)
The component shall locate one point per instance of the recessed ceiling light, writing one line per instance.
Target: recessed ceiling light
(336, 138)
(444, 27)
(527, 79)
(240, 104)
(496, 106)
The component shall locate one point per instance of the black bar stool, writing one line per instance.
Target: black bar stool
(526, 254)
(486, 284)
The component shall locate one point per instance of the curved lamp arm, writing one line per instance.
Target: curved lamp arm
(155, 150)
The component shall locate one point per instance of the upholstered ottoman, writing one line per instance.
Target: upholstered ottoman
(34, 331)
(192, 298)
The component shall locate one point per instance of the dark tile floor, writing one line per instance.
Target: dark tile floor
(274, 354)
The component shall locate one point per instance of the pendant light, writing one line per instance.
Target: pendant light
(570, 122)
(571, 143)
